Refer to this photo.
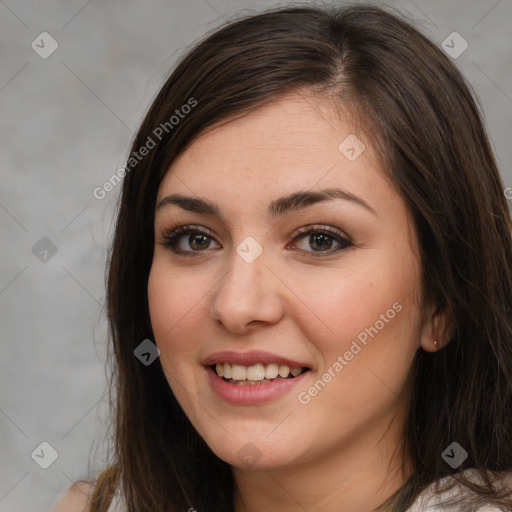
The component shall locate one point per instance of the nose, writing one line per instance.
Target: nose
(247, 296)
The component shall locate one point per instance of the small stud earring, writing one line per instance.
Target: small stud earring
(435, 343)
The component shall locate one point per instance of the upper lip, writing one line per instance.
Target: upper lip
(251, 358)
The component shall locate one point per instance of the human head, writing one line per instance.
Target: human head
(414, 106)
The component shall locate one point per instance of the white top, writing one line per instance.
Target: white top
(427, 501)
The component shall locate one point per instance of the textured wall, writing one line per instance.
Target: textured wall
(67, 119)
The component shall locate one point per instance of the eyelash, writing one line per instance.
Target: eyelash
(172, 235)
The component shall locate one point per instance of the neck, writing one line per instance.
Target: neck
(356, 477)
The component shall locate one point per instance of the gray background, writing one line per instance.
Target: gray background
(66, 125)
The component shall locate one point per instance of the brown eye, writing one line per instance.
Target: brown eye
(198, 240)
(321, 240)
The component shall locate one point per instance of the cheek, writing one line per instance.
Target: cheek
(177, 300)
(177, 305)
(379, 300)
(364, 333)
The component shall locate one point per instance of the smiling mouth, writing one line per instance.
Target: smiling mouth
(255, 374)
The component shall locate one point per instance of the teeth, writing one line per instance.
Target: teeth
(284, 371)
(271, 371)
(257, 373)
(238, 372)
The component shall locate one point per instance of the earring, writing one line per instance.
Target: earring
(435, 343)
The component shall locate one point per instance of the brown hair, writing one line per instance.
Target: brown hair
(426, 125)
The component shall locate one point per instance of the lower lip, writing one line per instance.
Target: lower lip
(247, 394)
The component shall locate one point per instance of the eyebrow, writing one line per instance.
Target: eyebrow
(277, 208)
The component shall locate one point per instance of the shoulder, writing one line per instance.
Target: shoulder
(431, 499)
(74, 499)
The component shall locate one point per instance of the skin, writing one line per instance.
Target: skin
(344, 446)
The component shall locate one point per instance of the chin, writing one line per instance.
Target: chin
(251, 452)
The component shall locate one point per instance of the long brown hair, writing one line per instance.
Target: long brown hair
(428, 130)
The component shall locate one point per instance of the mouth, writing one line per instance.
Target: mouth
(254, 377)
(252, 385)
(256, 374)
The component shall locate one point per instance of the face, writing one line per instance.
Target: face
(286, 325)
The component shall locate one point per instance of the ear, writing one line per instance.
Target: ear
(437, 330)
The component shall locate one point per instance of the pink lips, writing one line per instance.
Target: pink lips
(247, 394)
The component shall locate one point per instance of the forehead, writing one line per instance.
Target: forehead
(299, 141)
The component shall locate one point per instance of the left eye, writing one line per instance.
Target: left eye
(322, 239)
(199, 239)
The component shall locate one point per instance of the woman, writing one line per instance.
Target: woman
(313, 232)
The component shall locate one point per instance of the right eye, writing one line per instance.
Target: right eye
(199, 240)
